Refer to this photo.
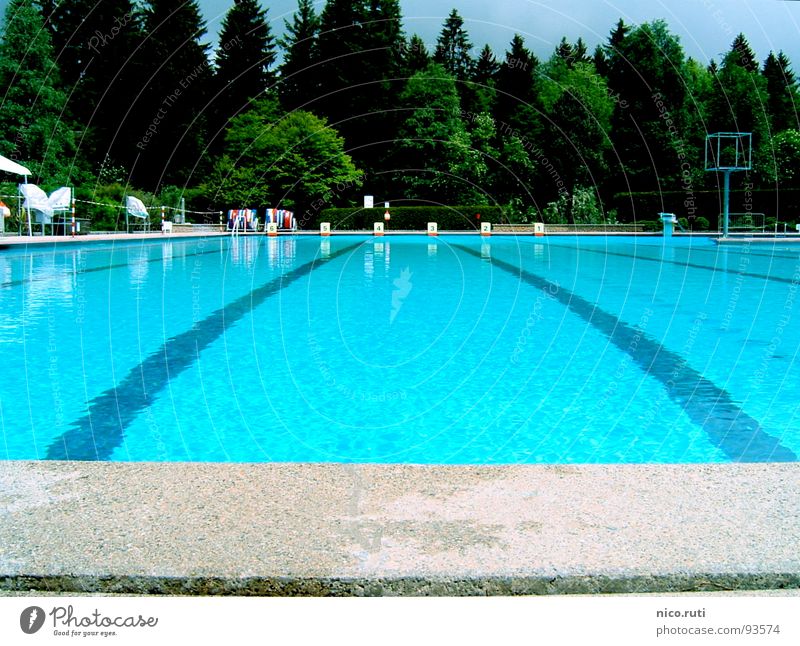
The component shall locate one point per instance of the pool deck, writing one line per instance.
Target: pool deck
(334, 529)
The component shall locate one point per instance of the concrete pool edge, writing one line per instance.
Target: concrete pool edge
(338, 529)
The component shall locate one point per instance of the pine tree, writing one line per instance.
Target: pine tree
(483, 96)
(739, 94)
(387, 40)
(453, 48)
(581, 52)
(600, 61)
(360, 49)
(342, 51)
(95, 45)
(383, 71)
(517, 89)
(297, 78)
(244, 60)
(616, 66)
(781, 91)
(172, 107)
(32, 109)
(487, 67)
(565, 53)
(416, 56)
(742, 54)
(646, 78)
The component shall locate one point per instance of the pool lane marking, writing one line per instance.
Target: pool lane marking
(95, 435)
(728, 427)
(712, 269)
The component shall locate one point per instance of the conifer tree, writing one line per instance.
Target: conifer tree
(649, 126)
(482, 95)
(739, 94)
(454, 49)
(342, 48)
(416, 56)
(782, 97)
(742, 54)
(517, 89)
(244, 62)
(173, 106)
(297, 84)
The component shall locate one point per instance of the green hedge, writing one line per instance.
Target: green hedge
(783, 204)
(414, 218)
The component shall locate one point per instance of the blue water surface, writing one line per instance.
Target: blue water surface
(405, 349)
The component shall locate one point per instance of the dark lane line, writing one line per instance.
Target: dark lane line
(95, 435)
(736, 272)
(713, 409)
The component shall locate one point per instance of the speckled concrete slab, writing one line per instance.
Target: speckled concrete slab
(392, 529)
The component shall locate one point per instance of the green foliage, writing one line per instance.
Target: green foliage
(782, 95)
(96, 47)
(647, 77)
(433, 146)
(579, 109)
(415, 56)
(411, 218)
(737, 101)
(701, 224)
(581, 207)
(289, 161)
(786, 159)
(36, 131)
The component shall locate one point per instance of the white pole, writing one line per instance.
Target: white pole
(30, 228)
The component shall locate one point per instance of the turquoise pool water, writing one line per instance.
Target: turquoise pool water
(451, 350)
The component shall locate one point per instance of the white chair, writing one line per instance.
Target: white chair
(36, 203)
(135, 208)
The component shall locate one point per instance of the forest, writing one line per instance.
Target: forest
(122, 98)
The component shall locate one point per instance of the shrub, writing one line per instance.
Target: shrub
(701, 224)
(586, 209)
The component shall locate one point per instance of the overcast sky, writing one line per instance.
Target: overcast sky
(706, 27)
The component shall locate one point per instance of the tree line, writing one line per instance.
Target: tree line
(116, 95)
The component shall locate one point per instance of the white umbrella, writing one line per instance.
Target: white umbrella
(9, 166)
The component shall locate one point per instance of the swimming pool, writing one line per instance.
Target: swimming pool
(404, 349)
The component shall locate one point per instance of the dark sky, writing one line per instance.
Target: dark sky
(706, 27)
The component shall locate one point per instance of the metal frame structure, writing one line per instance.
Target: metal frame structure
(718, 145)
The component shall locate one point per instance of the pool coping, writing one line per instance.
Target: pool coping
(35, 241)
(358, 529)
